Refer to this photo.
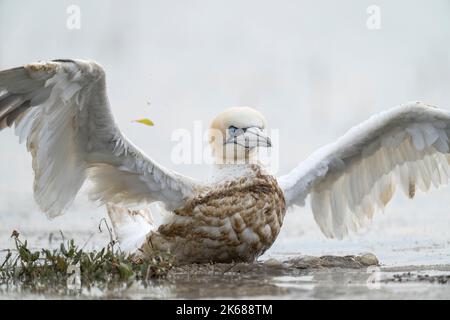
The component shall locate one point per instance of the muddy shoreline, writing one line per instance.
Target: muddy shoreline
(301, 277)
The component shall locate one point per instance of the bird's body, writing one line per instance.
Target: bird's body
(61, 109)
(233, 220)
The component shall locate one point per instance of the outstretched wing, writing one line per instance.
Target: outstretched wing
(62, 111)
(357, 175)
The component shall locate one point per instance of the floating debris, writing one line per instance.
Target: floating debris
(415, 277)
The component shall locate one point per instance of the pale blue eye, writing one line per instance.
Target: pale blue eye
(232, 130)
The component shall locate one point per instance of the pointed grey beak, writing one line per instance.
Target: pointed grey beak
(261, 139)
(251, 138)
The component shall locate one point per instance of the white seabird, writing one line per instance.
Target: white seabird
(61, 109)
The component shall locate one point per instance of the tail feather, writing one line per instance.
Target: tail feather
(131, 226)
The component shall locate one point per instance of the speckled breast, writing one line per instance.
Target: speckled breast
(235, 221)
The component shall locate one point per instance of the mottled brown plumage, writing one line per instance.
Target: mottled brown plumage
(236, 220)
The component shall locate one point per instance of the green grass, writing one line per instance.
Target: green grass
(70, 267)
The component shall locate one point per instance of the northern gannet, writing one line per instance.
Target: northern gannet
(61, 109)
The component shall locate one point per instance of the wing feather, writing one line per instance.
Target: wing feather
(60, 108)
(351, 179)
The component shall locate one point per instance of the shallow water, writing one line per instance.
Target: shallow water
(251, 282)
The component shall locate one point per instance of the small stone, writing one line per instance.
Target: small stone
(368, 259)
(273, 263)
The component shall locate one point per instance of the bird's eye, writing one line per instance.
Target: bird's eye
(232, 130)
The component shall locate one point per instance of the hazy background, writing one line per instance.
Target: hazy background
(312, 67)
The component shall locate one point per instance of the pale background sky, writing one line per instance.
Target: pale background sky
(312, 67)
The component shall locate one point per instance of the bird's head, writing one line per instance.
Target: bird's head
(237, 133)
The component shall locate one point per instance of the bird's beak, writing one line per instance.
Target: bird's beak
(251, 138)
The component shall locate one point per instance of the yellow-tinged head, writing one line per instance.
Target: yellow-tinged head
(237, 133)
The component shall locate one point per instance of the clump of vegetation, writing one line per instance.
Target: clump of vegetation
(70, 267)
